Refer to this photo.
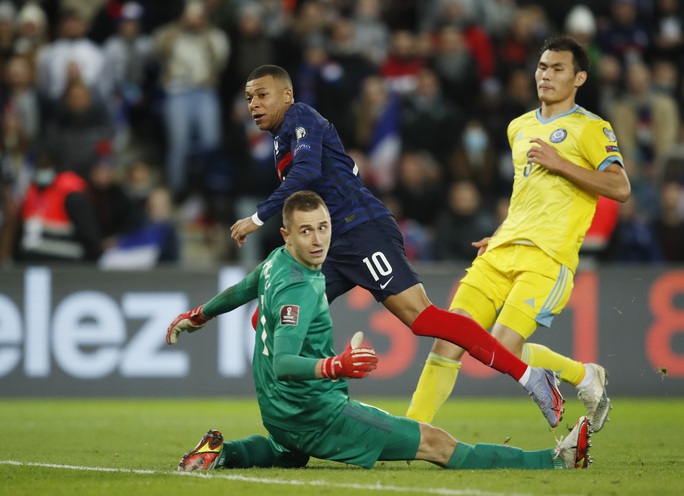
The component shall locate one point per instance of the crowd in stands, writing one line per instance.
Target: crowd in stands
(126, 141)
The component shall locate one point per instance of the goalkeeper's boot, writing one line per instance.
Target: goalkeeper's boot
(573, 451)
(595, 398)
(205, 454)
(543, 387)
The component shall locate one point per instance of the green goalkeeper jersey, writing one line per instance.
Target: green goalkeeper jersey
(294, 331)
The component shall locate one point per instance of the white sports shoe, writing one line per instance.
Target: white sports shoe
(595, 398)
(574, 449)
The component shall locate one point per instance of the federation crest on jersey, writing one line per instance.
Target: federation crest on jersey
(300, 133)
(609, 134)
(558, 135)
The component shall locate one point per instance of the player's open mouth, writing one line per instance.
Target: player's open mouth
(257, 117)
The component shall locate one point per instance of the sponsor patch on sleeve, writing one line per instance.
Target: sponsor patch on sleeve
(612, 149)
(289, 315)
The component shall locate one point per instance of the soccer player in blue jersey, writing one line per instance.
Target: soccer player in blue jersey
(367, 248)
(301, 385)
(564, 158)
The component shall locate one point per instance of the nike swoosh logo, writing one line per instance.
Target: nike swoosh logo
(383, 286)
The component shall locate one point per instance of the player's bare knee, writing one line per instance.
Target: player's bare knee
(509, 338)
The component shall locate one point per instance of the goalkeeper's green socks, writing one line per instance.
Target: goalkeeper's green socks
(489, 456)
(257, 451)
(252, 451)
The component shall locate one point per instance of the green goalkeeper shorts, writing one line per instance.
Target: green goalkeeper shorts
(360, 435)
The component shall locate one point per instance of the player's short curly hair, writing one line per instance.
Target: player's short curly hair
(580, 59)
(275, 71)
(302, 201)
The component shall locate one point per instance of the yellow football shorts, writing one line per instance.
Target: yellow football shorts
(516, 285)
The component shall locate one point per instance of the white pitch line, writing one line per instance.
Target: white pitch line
(256, 480)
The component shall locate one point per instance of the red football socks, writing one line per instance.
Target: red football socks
(469, 335)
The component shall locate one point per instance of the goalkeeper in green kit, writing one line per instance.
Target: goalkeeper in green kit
(301, 384)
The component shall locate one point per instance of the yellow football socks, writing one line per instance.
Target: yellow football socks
(537, 355)
(434, 387)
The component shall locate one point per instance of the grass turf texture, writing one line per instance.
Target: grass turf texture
(136, 444)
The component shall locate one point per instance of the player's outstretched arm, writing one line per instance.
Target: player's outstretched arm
(229, 299)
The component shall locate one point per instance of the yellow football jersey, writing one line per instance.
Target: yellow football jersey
(547, 209)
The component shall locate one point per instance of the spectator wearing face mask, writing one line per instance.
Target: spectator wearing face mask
(474, 157)
(57, 222)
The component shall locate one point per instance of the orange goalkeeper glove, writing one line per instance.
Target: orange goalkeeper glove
(190, 321)
(355, 362)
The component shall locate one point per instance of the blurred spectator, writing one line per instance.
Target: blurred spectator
(86, 9)
(464, 221)
(155, 242)
(71, 56)
(20, 106)
(580, 23)
(403, 62)
(495, 16)
(664, 77)
(418, 242)
(624, 35)
(667, 32)
(192, 54)
(673, 162)
(308, 28)
(461, 15)
(57, 221)
(429, 121)
(115, 211)
(634, 240)
(646, 122)
(520, 47)
(370, 32)
(252, 46)
(475, 158)
(419, 188)
(8, 219)
(310, 73)
(32, 32)
(610, 83)
(139, 179)
(376, 132)
(8, 13)
(76, 130)
(454, 64)
(669, 226)
(344, 86)
(127, 56)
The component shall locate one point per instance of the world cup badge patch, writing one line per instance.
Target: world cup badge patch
(289, 315)
(558, 135)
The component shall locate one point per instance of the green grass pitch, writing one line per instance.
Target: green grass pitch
(129, 447)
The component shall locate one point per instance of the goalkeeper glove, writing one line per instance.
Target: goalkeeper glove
(355, 362)
(187, 321)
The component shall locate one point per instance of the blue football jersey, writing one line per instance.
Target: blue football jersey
(310, 156)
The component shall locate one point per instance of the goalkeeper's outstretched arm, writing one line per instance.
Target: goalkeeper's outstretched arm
(227, 300)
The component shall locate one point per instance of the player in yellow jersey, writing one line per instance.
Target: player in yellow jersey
(564, 158)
